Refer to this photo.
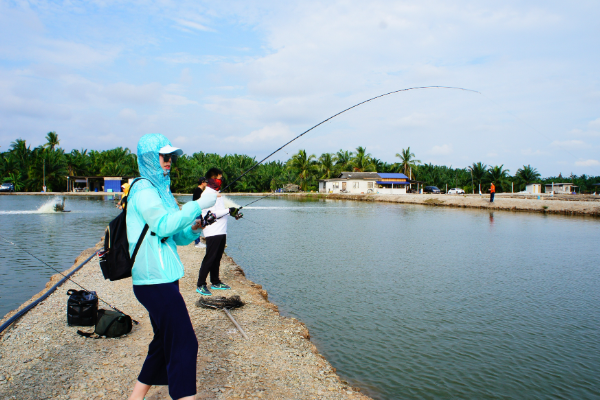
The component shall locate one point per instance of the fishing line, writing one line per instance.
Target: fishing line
(339, 113)
(49, 266)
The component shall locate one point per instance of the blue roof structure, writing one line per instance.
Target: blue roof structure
(387, 175)
(392, 183)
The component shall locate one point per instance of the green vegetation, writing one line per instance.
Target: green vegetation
(24, 167)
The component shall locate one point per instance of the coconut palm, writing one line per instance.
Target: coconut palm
(326, 166)
(379, 166)
(52, 141)
(407, 161)
(16, 180)
(498, 175)
(527, 174)
(342, 160)
(305, 166)
(20, 154)
(78, 162)
(49, 164)
(362, 161)
(478, 173)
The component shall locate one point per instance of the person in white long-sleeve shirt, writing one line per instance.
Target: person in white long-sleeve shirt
(216, 238)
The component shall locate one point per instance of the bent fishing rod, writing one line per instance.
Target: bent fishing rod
(49, 266)
(330, 118)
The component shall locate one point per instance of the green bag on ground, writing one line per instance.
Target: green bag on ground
(110, 324)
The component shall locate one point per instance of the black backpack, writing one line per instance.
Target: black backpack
(115, 261)
(111, 324)
(82, 308)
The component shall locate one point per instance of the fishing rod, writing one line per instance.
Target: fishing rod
(341, 112)
(49, 266)
(208, 220)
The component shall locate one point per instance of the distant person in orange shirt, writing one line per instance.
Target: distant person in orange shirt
(492, 192)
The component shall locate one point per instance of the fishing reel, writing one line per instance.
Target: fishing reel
(235, 212)
(208, 219)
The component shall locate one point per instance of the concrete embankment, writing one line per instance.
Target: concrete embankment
(41, 357)
(583, 205)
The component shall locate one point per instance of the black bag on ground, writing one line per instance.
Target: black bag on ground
(115, 261)
(82, 308)
(110, 324)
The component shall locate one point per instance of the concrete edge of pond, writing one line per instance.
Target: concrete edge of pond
(42, 357)
(563, 204)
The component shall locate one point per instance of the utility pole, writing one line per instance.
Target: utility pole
(44, 175)
(472, 184)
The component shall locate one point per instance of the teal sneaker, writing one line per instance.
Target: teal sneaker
(220, 286)
(203, 290)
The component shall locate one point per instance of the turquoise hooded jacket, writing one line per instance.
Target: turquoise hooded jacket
(151, 202)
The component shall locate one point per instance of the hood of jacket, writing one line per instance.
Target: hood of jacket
(149, 167)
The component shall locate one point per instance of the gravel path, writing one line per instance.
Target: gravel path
(41, 357)
(577, 205)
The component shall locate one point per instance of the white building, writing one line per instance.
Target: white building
(560, 188)
(365, 182)
(533, 188)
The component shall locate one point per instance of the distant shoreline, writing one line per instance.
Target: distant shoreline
(581, 205)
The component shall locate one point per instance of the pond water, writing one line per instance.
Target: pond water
(56, 238)
(416, 302)
(406, 301)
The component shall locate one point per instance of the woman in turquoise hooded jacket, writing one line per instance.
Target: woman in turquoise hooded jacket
(172, 354)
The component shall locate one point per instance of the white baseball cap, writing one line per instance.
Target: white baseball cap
(170, 149)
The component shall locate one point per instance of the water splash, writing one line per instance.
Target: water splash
(230, 203)
(46, 208)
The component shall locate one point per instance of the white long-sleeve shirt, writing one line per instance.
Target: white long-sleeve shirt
(219, 227)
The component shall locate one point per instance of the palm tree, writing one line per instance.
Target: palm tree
(378, 165)
(326, 166)
(52, 141)
(20, 154)
(407, 160)
(78, 162)
(342, 160)
(527, 174)
(305, 166)
(478, 173)
(362, 161)
(497, 175)
(54, 164)
(16, 180)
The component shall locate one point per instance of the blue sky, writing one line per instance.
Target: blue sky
(244, 77)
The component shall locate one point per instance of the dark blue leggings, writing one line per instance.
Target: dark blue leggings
(173, 351)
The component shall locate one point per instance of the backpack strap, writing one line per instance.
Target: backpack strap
(137, 246)
(139, 243)
(86, 334)
(146, 227)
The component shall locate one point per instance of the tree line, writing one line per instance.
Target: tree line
(26, 167)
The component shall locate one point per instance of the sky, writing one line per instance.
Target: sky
(246, 76)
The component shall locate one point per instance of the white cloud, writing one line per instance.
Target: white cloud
(187, 58)
(588, 163)
(536, 152)
(193, 25)
(568, 143)
(185, 77)
(269, 134)
(284, 66)
(592, 129)
(128, 115)
(444, 149)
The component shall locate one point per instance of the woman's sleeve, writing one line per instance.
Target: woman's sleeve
(161, 222)
(186, 236)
